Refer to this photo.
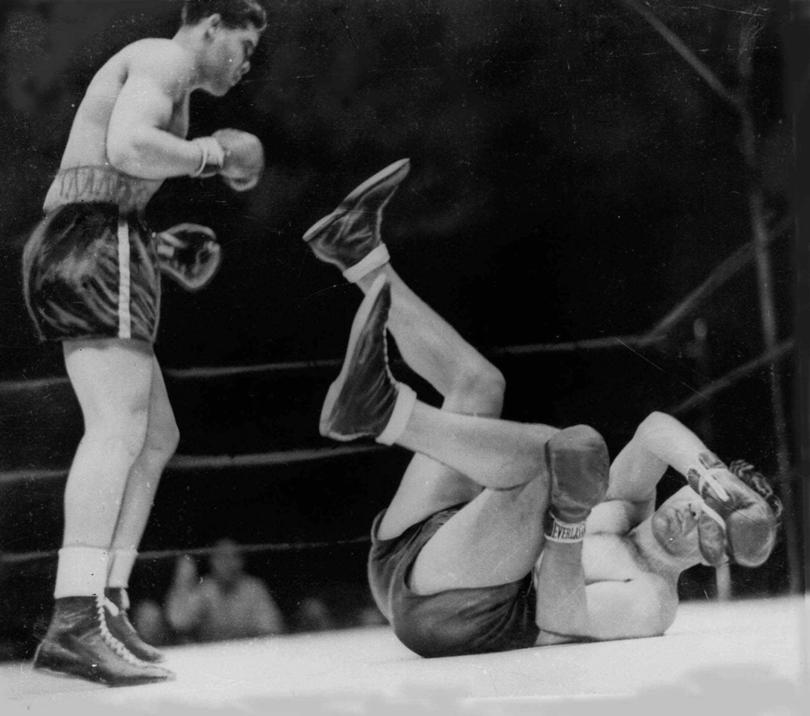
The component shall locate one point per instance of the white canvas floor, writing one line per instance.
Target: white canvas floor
(746, 657)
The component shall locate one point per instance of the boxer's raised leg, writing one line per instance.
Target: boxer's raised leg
(468, 383)
(365, 401)
(434, 350)
(497, 536)
(450, 449)
(350, 238)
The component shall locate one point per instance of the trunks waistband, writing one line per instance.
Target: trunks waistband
(97, 184)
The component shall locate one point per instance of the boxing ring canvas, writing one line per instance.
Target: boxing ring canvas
(747, 657)
(594, 202)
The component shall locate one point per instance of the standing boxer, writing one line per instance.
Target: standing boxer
(504, 535)
(91, 272)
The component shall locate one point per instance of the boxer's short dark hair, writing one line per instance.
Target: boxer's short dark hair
(234, 13)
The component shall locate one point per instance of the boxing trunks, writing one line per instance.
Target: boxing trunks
(453, 622)
(90, 266)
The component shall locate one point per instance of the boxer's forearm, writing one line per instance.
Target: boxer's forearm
(660, 441)
(672, 442)
(151, 153)
(562, 606)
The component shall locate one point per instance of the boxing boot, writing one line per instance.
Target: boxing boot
(116, 609)
(350, 236)
(365, 400)
(79, 643)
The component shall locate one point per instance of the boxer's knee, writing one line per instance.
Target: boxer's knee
(160, 444)
(122, 426)
(170, 438)
(165, 440)
(481, 382)
(124, 437)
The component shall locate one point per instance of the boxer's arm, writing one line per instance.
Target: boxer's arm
(640, 607)
(578, 467)
(561, 606)
(660, 441)
(138, 142)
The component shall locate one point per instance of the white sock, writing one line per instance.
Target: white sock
(375, 258)
(121, 563)
(81, 572)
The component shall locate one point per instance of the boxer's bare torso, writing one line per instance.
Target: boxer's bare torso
(87, 142)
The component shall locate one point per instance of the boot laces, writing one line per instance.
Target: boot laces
(117, 647)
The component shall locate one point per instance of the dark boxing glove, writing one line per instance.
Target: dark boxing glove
(740, 515)
(244, 158)
(579, 469)
(190, 254)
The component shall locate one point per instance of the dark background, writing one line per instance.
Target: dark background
(572, 177)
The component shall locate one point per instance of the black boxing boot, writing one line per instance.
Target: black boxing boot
(349, 237)
(116, 608)
(365, 400)
(78, 643)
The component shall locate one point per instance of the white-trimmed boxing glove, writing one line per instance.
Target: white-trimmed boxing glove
(579, 468)
(739, 519)
(212, 157)
(189, 254)
(244, 158)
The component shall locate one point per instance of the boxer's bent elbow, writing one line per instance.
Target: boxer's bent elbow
(130, 154)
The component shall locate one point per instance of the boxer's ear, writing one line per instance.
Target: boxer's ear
(213, 24)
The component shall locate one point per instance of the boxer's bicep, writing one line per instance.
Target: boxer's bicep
(142, 103)
(145, 106)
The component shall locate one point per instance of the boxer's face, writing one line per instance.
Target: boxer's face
(675, 522)
(230, 51)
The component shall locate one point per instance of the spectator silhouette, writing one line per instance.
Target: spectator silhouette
(227, 603)
(314, 615)
(150, 623)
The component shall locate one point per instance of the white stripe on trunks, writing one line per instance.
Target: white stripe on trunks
(124, 316)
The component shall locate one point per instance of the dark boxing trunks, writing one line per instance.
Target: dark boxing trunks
(453, 622)
(90, 266)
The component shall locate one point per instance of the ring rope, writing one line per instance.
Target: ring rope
(772, 356)
(722, 273)
(634, 341)
(185, 463)
(154, 555)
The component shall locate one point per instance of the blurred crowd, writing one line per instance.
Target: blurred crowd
(227, 602)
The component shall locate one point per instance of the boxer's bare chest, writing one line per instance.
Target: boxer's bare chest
(610, 557)
(178, 124)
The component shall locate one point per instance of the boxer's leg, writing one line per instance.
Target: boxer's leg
(111, 379)
(159, 445)
(503, 456)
